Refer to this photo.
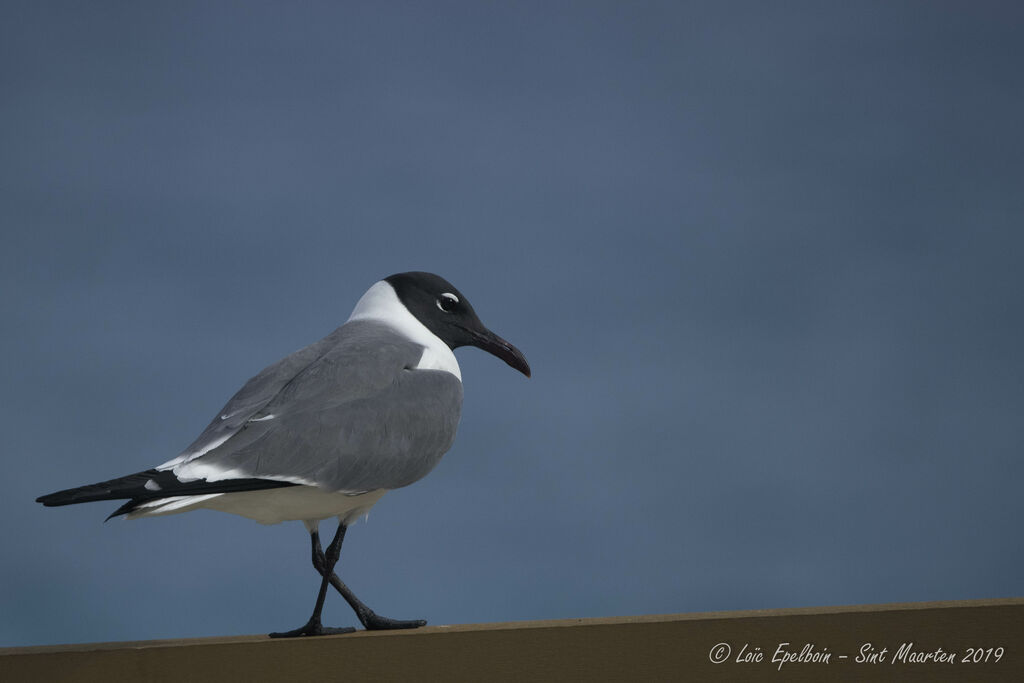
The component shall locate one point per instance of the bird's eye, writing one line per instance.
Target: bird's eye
(447, 301)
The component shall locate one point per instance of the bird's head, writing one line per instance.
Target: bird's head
(444, 311)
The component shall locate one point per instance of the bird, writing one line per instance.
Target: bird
(328, 430)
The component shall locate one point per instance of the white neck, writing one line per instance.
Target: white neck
(381, 304)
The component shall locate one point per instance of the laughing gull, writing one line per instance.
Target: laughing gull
(328, 430)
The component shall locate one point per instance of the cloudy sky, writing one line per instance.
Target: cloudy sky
(764, 258)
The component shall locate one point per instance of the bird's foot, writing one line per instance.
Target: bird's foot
(375, 622)
(313, 628)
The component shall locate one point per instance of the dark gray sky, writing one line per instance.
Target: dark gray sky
(765, 261)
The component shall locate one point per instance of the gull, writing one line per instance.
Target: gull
(328, 430)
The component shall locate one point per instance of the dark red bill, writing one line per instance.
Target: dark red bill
(495, 345)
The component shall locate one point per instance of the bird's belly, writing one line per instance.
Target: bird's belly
(271, 506)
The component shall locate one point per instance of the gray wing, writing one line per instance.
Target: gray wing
(252, 397)
(353, 416)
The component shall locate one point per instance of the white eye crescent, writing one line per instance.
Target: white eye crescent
(447, 302)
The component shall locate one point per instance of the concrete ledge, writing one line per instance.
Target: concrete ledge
(646, 648)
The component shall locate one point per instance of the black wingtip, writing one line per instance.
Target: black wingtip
(54, 499)
(113, 489)
(133, 489)
(123, 510)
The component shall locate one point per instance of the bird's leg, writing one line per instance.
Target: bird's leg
(370, 620)
(327, 560)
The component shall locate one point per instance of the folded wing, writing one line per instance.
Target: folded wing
(349, 413)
